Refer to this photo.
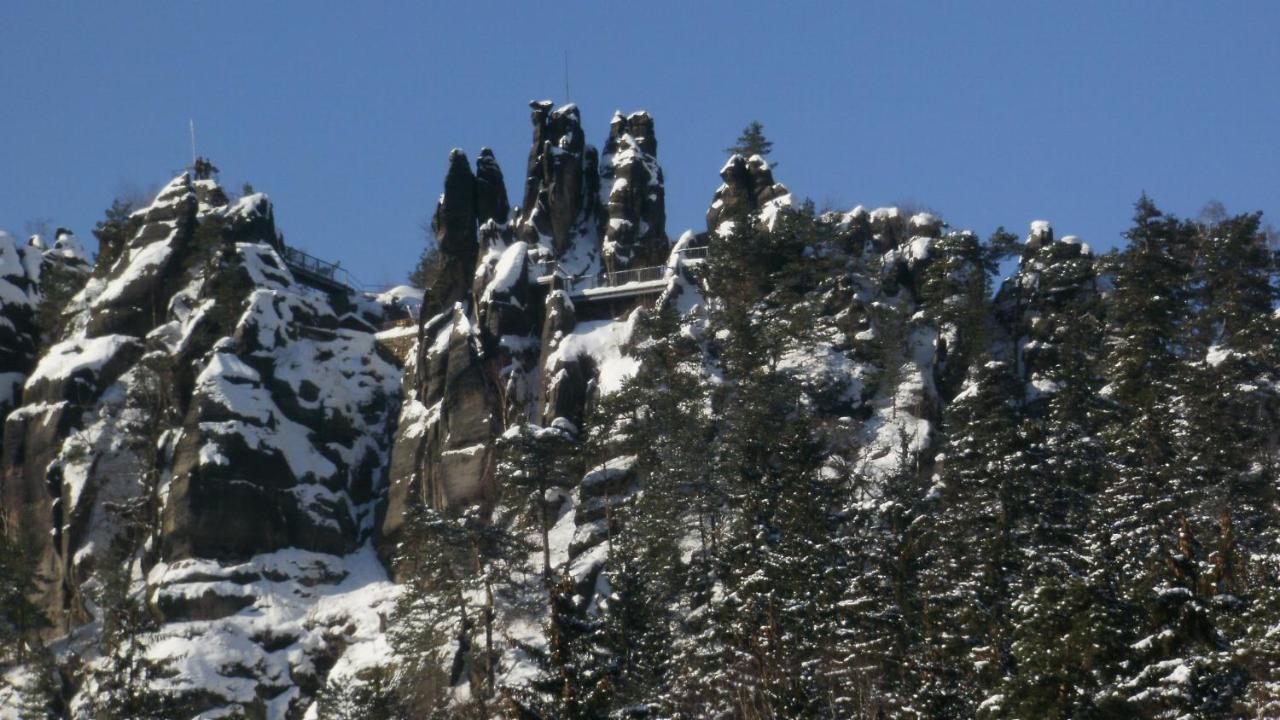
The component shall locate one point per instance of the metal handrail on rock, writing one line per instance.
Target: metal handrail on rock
(299, 261)
(694, 253)
(620, 278)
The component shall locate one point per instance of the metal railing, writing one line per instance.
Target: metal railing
(299, 261)
(618, 279)
(543, 268)
(693, 253)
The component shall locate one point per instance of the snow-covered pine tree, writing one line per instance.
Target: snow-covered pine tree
(20, 619)
(1057, 316)
(123, 681)
(877, 628)
(575, 678)
(534, 461)
(1157, 627)
(659, 417)
(436, 628)
(968, 555)
(1231, 450)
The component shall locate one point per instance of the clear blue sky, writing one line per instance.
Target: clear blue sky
(991, 113)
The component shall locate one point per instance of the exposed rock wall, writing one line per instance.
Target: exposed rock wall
(19, 336)
(200, 405)
(35, 279)
(748, 186)
(483, 361)
(635, 232)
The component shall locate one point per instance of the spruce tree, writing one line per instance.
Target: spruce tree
(751, 142)
(970, 555)
(113, 232)
(1230, 441)
(124, 679)
(21, 620)
(1148, 552)
(878, 607)
(433, 614)
(1058, 325)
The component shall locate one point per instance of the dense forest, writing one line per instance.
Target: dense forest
(1095, 535)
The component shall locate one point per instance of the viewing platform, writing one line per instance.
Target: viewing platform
(615, 285)
(313, 271)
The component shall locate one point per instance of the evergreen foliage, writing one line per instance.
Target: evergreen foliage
(751, 142)
(113, 232)
(20, 618)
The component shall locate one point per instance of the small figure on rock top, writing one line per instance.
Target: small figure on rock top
(203, 169)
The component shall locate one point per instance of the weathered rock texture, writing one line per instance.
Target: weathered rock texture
(35, 279)
(635, 232)
(200, 404)
(748, 186)
(488, 362)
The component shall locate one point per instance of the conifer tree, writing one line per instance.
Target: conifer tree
(433, 615)
(1230, 440)
(969, 553)
(20, 618)
(954, 293)
(113, 232)
(1058, 327)
(124, 679)
(1148, 553)
(878, 606)
(751, 142)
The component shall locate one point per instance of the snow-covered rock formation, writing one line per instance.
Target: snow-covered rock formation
(27, 274)
(208, 421)
(491, 357)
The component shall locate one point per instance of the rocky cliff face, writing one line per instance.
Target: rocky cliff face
(636, 216)
(526, 355)
(200, 412)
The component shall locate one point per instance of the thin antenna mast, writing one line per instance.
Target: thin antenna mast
(193, 141)
(566, 76)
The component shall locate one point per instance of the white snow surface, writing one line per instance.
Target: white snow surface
(602, 341)
(71, 356)
(301, 605)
